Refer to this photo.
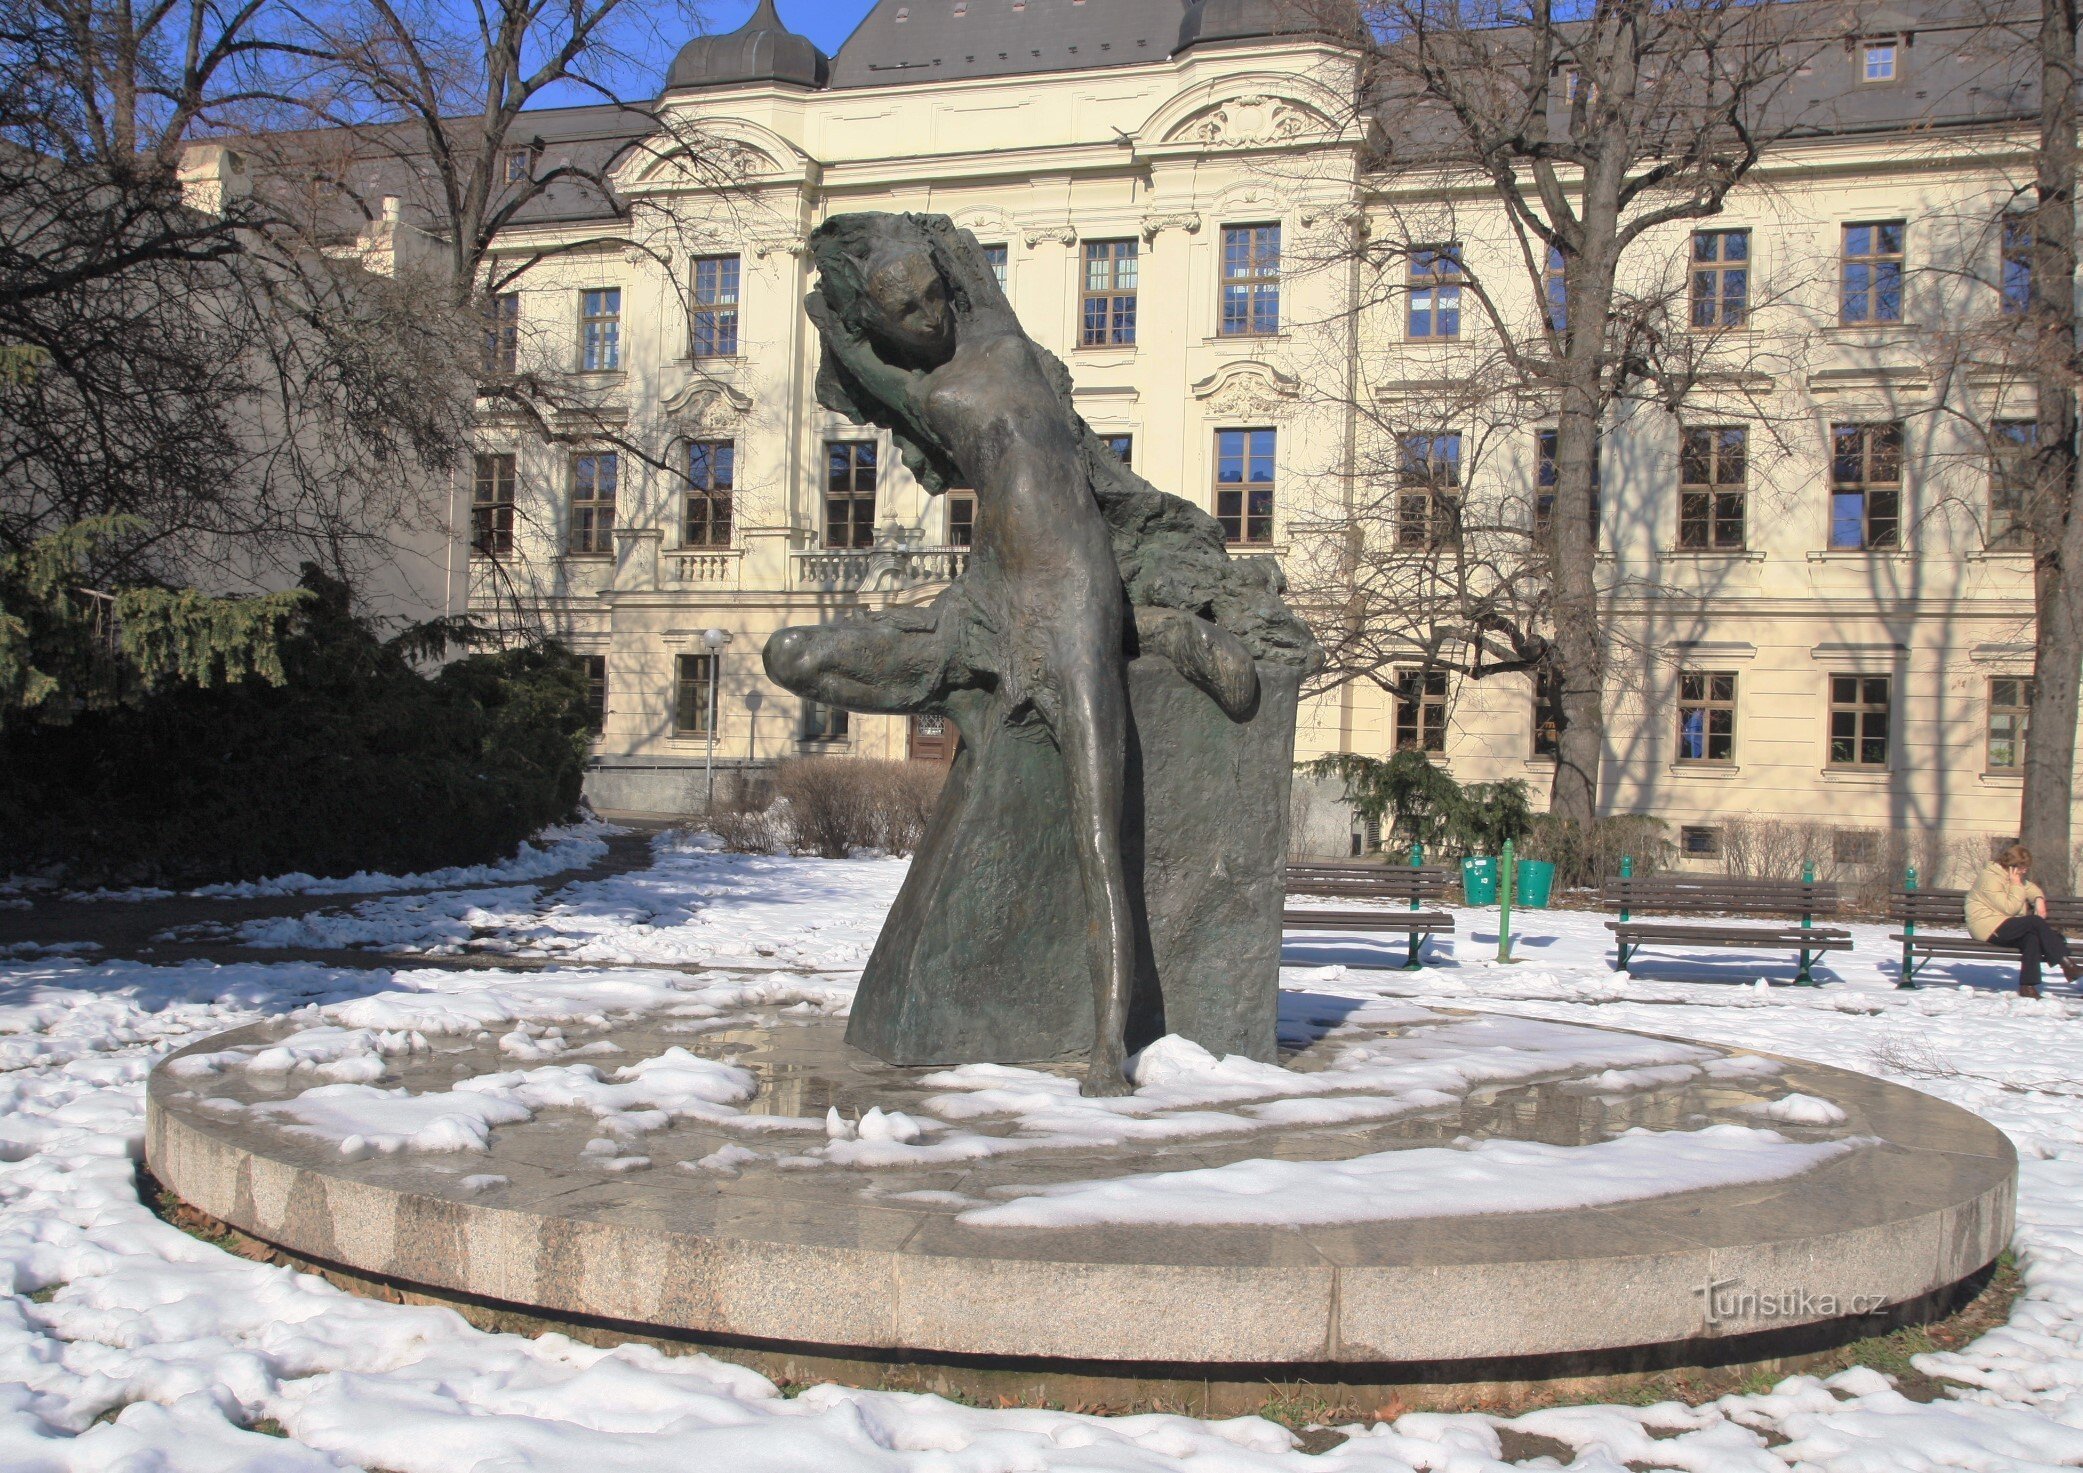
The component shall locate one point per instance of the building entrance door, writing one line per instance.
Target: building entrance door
(933, 739)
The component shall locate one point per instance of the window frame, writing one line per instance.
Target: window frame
(1123, 446)
(596, 667)
(965, 525)
(1237, 501)
(1422, 708)
(502, 344)
(589, 529)
(1115, 303)
(712, 326)
(691, 672)
(2019, 710)
(1555, 291)
(1547, 713)
(1886, 271)
(1715, 273)
(2011, 477)
(1252, 287)
(710, 455)
(600, 332)
(863, 457)
(1862, 60)
(2014, 261)
(1867, 486)
(1428, 490)
(822, 724)
(1712, 694)
(998, 256)
(1861, 708)
(487, 503)
(1546, 477)
(1713, 494)
(1433, 278)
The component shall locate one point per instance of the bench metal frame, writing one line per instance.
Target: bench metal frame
(1719, 895)
(1416, 882)
(1912, 906)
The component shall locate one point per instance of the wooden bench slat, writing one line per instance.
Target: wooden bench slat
(1431, 923)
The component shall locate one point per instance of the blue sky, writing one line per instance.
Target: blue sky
(827, 22)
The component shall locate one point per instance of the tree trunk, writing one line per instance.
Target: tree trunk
(2057, 531)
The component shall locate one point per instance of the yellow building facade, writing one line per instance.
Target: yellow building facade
(1173, 196)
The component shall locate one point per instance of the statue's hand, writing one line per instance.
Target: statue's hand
(884, 380)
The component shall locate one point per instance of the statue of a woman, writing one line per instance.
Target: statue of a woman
(920, 339)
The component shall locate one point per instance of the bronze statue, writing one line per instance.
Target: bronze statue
(1028, 652)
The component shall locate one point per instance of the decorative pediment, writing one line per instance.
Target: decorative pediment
(988, 225)
(1248, 388)
(707, 402)
(1257, 120)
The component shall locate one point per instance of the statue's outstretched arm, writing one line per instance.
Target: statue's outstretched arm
(1206, 654)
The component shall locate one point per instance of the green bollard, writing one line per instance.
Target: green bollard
(1417, 942)
(1508, 876)
(1805, 977)
(1908, 981)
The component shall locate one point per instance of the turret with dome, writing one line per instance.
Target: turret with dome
(761, 50)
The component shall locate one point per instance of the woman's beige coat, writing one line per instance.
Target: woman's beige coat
(1996, 898)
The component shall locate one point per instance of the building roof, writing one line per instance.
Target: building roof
(903, 41)
(761, 50)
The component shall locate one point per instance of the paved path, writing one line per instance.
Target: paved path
(126, 930)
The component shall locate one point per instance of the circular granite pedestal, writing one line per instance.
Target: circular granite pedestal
(830, 1264)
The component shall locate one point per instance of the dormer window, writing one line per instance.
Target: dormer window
(514, 165)
(1877, 59)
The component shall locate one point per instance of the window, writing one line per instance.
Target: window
(1250, 280)
(1244, 484)
(502, 333)
(1859, 720)
(1854, 846)
(2015, 266)
(712, 477)
(849, 493)
(1706, 716)
(995, 258)
(691, 678)
(492, 506)
(1421, 711)
(822, 723)
(1547, 712)
(596, 688)
(1555, 289)
(1435, 292)
(1872, 273)
(1713, 470)
(600, 330)
(1877, 60)
(1547, 474)
(593, 478)
(1720, 278)
(1428, 495)
(1123, 447)
(1109, 312)
(715, 326)
(515, 163)
(1865, 486)
(1695, 841)
(2010, 713)
(2012, 473)
(961, 519)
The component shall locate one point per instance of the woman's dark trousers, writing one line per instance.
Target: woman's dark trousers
(2035, 941)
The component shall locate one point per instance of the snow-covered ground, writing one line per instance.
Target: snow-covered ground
(125, 1344)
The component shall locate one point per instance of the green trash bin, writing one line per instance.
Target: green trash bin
(1536, 883)
(1479, 880)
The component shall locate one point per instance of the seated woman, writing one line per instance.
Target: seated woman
(2006, 909)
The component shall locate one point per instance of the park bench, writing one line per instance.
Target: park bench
(1917, 910)
(1719, 895)
(1415, 887)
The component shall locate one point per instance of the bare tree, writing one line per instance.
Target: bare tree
(2056, 511)
(1591, 134)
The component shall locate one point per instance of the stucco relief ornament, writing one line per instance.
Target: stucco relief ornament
(1257, 392)
(1246, 121)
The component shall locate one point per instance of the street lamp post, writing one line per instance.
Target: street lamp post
(715, 640)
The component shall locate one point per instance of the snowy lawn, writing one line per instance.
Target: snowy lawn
(125, 1344)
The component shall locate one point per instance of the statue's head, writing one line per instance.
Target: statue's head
(880, 274)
